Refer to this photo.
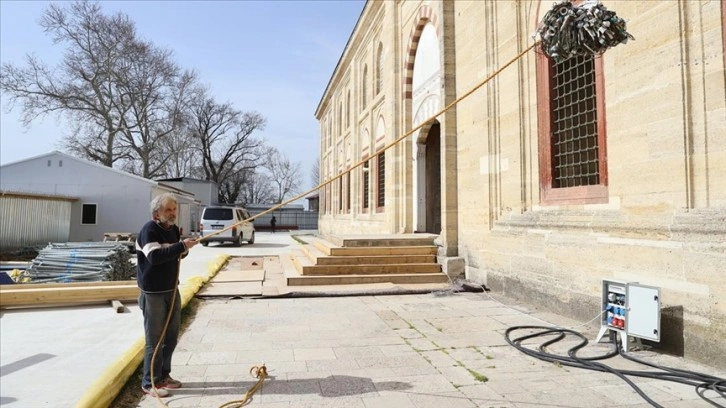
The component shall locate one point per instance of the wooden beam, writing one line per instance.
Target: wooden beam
(116, 304)
(56, 285)
(65, 294)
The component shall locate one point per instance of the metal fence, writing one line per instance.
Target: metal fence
(287, 219)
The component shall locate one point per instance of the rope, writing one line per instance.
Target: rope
(561, 15)
(163, 334)
(259, 372)
(386, 147)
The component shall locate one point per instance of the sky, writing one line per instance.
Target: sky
(271, 56)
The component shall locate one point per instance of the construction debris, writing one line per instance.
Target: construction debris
(118, 306)
(586, 29)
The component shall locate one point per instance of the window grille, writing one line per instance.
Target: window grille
(574, 124)
(347, 192)
(382, 179)
(340, 194)
(366, 175)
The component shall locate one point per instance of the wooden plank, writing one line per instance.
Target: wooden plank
(72, 284)
(10, 297)
(116, 304)
(239, 276)
(231, 289)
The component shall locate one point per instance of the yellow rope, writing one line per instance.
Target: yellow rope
(163, 333)
(258, 372)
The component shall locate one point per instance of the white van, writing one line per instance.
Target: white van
(218, 218)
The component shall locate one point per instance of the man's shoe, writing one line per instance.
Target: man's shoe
(170, 384)
(158, 392)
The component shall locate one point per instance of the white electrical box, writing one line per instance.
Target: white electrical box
(631, 310)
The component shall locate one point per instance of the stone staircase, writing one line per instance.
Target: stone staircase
(397, 259)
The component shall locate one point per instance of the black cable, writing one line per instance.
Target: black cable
(701, 382)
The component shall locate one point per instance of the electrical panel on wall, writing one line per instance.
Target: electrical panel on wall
(631, 310)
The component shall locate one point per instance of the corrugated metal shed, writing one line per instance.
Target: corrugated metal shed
(33, 219)
(109, 200)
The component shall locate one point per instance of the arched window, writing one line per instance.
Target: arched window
(379, 69)
(340, 120)
(347, 111)
(364, 88)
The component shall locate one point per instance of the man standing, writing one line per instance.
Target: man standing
(273, 221)
(159, 250)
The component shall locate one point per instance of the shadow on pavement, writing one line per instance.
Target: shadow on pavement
(255, 245)
(24, 363)
(331, 386)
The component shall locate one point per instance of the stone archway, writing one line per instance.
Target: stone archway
(426, 101)
(428, 180)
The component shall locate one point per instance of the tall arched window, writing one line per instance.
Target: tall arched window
(364, 88)
(379, 69)
(340, 120)
(347, 111)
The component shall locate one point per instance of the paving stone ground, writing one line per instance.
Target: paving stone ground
(445, 350)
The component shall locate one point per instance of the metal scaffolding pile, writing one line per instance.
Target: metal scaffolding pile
(82, 262)
(586, 29)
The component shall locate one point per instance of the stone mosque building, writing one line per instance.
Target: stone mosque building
(551, 176)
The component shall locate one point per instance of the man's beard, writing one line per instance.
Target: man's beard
(167, 221)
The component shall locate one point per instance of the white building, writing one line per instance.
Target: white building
(108, 200)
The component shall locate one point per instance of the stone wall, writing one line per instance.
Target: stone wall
(665, 110)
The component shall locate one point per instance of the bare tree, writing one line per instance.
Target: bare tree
(284, 174)
(183, 148)
(315, 172)
(155, 90)
(184, 159)
(257, 189)
(122, 95)
(228, 148)
(83, 87)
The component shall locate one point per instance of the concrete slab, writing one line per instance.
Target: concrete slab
(231, 289)
(229, 275)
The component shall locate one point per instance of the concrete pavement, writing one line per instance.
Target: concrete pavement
(442, 349)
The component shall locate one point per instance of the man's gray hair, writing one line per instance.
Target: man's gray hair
(162, 200)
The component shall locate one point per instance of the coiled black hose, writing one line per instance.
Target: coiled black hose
(702, 382)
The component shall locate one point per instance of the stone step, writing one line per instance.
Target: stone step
(401, 240)
(374, 259)
(410, 268)
(299, 260)
(321, 244)
(401, 279)
(312, 253)
(381, 251)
